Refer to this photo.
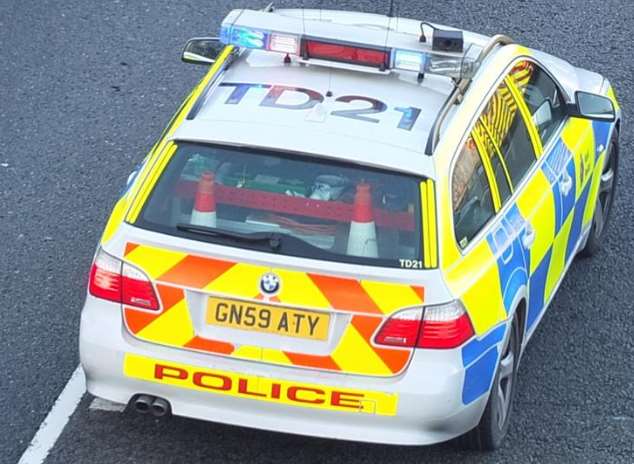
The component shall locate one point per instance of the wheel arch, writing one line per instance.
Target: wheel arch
(521, 312)
(520, 308)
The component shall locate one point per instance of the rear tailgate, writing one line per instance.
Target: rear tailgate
(203, 232)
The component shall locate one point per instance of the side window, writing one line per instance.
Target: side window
(503, 121)
(542, 96)
(471, 194)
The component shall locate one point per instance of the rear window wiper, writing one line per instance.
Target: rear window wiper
(273, 239)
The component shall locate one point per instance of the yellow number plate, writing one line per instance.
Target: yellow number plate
(279, 320)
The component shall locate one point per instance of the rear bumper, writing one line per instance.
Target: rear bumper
(429, 408)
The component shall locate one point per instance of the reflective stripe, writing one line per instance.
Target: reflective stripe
(488, 169)
(429, 226)
(115, 219)
(355, 354)
(498, 153)
(129, 200)
(366, 301)
(431, 221)
(173, 327)
(425, 225)
(528, 120)
(148, 185)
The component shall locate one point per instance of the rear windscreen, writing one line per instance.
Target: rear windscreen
(287, 204)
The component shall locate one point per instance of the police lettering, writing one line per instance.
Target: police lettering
(247, 387)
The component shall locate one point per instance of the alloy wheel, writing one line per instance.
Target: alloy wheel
(503, 390)
(606, 193)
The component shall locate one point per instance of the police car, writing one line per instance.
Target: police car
(350, 229)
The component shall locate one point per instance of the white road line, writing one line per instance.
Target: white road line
(57, 418)
(99, 404)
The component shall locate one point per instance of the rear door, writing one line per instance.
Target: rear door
(518, 240)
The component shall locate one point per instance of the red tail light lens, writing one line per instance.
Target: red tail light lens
(105, 277)
(442, 327)
(346, 53)
(137, 289)
(445, 326)
(113, 280)
(400, 330)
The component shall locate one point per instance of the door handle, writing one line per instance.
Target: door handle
(565, 183)
(529, 236)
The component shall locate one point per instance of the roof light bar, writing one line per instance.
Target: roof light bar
(326, 42)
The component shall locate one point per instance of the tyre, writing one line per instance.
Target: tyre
(489, 434)
(605, 199)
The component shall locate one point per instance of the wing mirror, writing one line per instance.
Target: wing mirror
(592, 106)
(202, 50)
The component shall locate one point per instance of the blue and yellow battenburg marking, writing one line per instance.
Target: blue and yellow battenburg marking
(562, 196)
(480, 357)
(513, 258)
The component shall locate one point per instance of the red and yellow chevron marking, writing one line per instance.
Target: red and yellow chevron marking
(367, 303)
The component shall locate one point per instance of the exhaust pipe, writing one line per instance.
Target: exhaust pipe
(160, 407)
(143, 403)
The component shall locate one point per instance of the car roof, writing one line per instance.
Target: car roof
(323, 128)
(318, 130)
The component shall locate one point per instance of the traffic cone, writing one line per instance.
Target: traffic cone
(204, 212)
(362, 236)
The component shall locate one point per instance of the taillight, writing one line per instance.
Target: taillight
(445, 326)
(441, 327)
(105, 277)
(113, 280)
(137, 289)
(401, 329)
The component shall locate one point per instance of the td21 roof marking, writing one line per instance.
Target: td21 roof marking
(272, 100)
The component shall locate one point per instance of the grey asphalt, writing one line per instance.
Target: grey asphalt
(86, 88)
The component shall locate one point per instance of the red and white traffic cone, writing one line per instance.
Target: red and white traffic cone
(204, 212)
(362, 237)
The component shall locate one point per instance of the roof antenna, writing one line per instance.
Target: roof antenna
(390, 15)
